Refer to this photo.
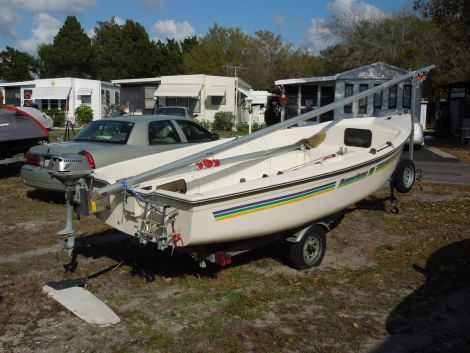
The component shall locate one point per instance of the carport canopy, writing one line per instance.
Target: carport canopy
(178, 90)
(50, 92)
(216, 90)
(84, 91)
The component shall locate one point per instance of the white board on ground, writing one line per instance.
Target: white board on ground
(84, 304)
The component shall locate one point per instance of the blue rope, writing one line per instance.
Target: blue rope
(126, 190)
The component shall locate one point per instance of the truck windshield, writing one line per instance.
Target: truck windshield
(108, 131)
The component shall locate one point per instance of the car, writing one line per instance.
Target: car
(418, 136)
(176, 111)
(113, 140)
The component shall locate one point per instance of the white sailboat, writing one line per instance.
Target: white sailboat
(266, 183)
(221, 200)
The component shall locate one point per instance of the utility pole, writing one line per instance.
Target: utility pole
(234, 68)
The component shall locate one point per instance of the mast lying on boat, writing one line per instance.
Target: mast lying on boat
(167, 168)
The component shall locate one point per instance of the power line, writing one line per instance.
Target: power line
(234, 68)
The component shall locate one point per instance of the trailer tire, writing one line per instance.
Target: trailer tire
(404, 176)
(310, 250)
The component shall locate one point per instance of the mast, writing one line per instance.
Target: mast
(172, 166)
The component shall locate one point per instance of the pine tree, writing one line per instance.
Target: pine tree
(107, 41)
(70, 54)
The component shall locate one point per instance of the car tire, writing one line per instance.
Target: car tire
(403, 177)
(310, 250)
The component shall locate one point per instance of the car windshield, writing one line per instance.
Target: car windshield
(171, 111)
(109, 131)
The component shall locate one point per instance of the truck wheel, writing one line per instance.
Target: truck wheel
(404, 176)
(310, 250)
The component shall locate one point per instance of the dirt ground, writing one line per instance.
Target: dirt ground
(388, 283)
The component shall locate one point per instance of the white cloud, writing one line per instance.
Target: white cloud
(279, 21)
(118, 20)
(354, 11)
(8, 20)
(319, 35)
(69, 6)
(43, 31)
(170, 29)
(9, 17)
(91, 32)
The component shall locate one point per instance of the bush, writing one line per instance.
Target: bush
(223, 121)
(256, 126)
(84, 114)
(206, 123)
(242, 127)
(57, 115)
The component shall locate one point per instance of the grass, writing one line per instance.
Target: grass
(257, 305)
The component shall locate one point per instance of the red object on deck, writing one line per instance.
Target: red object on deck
(208, 163)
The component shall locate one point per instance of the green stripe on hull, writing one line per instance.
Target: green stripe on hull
(288, 199)
(281, 201)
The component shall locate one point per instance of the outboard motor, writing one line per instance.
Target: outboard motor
(73, 170)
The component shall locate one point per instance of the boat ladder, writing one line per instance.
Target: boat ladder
(155, 220)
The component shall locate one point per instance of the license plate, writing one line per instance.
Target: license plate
(46, 162)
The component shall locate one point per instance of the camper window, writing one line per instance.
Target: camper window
(358, 137)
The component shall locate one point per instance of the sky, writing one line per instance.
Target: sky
(24, 24)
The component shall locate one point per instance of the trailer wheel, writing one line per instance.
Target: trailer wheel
(310, 250)
(404, 176)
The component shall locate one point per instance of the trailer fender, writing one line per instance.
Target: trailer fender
(298, 235)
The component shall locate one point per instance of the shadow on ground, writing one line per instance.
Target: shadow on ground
(144, 260)
(10, 170)
(147, 261)
(57, 197)
(436, 316)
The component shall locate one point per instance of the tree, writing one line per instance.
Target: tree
(107, 41)
(273, 59)
(404, 40)
(453, 20)
(188, 44)
(126, 51)
(70, 54)
(453, 15)
(171, 57)
(217, 49)
(260, 59)
(138, 55)
(17, 66)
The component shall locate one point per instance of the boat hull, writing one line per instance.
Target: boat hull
(261, 212)
(282, 209)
